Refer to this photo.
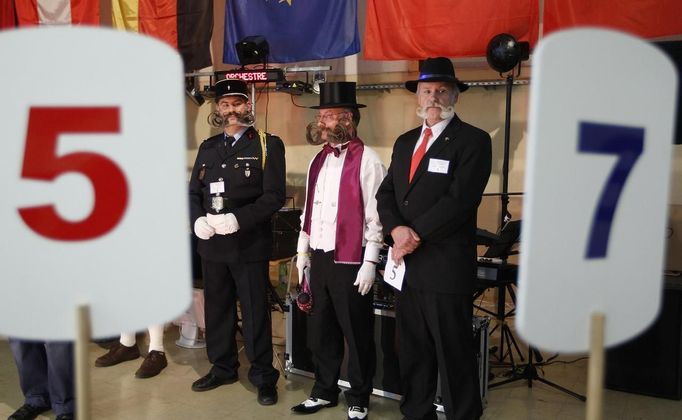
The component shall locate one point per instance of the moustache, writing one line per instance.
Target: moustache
(446, 111)
(341, 133)
(218, 120)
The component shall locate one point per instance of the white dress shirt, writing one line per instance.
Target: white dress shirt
(326, 197)
(436, 130)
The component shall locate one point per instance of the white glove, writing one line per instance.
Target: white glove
(302, 262)
(303, 256)
(365, 277)
(224, 224)
(202, 229)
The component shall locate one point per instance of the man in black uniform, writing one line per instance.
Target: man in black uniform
(237, 184)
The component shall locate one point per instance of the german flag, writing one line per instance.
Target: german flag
(186, 25)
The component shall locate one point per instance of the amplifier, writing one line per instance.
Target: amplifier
(387, 377)
(286, 224)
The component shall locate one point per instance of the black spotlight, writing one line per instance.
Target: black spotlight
(192, 91)
(252, 50)
(504, 52)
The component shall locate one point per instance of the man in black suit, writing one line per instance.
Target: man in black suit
(427, 205)
(237, 184)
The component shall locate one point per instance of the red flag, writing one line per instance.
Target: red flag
(7, 17)
(416, 29)
(57, 12)
(646, 18)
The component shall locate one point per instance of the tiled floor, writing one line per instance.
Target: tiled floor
(117, 394)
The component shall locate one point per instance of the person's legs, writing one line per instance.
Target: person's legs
(450, 320)
(156, 338)
(325, 338)
(252, 285)
(417, 356)
(221, 319)
(60, 376)
(355, 315)
(31, 361)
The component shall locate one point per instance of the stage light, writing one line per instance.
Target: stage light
(318, 77)
(252, 50)
(504, 52)
(193, 92)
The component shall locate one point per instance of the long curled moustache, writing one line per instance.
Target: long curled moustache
(218, 120)
(445, 111)
(341, 133)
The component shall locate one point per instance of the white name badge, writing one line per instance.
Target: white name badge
(80, 188)
(438, 166)
(217, 187)
(600, 132)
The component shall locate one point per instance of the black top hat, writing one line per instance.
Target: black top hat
(439, 69)
(230, 87)
(337, 95)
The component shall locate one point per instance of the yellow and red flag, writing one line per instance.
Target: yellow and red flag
(186, 25)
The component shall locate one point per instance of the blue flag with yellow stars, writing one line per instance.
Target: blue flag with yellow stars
(296, 30)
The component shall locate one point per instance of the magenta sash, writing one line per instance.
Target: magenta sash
(350, 214)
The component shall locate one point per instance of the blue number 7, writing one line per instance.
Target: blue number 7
(625, 142)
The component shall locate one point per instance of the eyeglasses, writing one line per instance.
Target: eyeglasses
(328, 117)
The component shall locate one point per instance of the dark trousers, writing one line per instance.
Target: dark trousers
(340, 311)
(224, 283)
(435, 334)
(46, 373)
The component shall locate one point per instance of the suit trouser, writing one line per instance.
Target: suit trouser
(46, 373)
(340, 311)
(435, 334)
(224, 283)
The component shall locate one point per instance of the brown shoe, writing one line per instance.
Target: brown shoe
(118, 353)
(152, 365)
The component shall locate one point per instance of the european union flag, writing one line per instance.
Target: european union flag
(296, 30)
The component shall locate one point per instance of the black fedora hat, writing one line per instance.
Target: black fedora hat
(337, 95)
(230, 87)
(439, 69)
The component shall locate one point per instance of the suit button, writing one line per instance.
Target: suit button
(405, 203)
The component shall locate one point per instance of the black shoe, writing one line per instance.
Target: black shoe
(28, 412)
(210, 381)
(312, 405)
(118, 353)
(65, 417)
(267, 394)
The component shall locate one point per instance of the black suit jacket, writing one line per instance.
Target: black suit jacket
(253, 199)
(440, 207)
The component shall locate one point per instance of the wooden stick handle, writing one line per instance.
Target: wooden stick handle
(595, 372)
(81, 362)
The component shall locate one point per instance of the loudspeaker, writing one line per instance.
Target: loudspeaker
(286, 224)
(651, 364)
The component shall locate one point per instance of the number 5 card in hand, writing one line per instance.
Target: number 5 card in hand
(93, 182)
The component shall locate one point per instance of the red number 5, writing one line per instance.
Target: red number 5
(42, 163)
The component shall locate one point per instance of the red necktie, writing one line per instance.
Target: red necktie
(419, 153)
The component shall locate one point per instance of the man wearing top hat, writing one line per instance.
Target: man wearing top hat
(428, 204)
(237, 184)
(340, 241)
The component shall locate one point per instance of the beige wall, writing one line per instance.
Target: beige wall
(390, 113)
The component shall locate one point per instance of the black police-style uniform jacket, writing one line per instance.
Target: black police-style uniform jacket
(440, 207)
(252, 194)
